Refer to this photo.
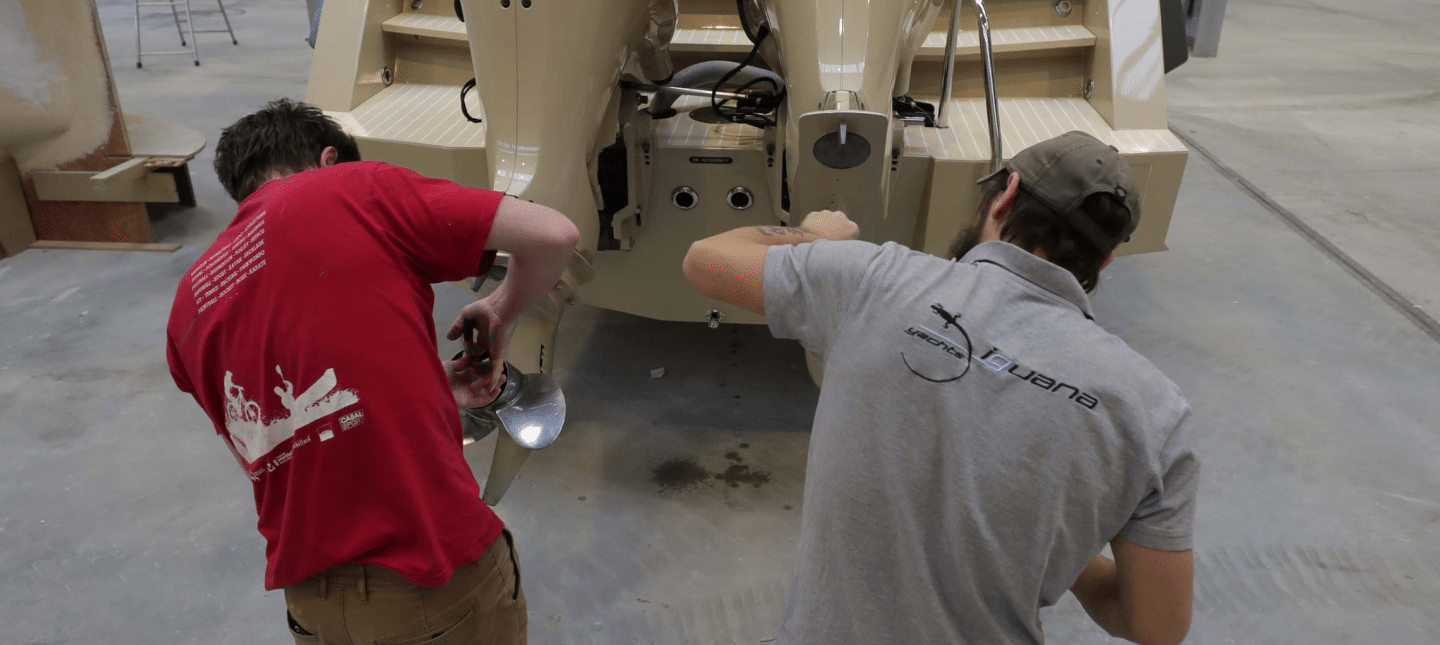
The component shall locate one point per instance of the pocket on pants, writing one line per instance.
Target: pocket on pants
(302, 635)
(466, 631)
(514, 563)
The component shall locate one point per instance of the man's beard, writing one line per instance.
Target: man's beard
(967, 239)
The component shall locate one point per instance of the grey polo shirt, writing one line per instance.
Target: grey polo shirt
(978, 439)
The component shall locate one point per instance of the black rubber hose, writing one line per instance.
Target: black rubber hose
(701, 74)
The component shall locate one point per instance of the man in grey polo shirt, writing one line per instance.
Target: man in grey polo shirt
(979, 438)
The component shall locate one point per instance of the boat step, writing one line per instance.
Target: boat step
(426, 25)
(1023, 123)
(1005, 41)
(720, 40)
(711, 40)
(732, 40)
(416, 114)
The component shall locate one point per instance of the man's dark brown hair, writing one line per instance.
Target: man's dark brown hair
(284, 137)
(1031, 225)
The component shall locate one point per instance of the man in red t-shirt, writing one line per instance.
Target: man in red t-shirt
(305, 333)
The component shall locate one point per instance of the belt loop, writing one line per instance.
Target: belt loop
(364, 583)
(324, 584)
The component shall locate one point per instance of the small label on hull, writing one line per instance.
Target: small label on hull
(712, 160)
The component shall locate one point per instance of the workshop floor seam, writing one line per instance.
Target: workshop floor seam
(1410, 310)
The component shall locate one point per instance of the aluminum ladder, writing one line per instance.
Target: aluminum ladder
(175, 6)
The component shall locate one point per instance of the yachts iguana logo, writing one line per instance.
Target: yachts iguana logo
(947, 354)
(958, 350)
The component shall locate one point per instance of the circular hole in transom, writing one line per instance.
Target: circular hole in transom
(684, 198)
(739, 198)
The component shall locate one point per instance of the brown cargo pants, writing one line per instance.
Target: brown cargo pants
(360, 604)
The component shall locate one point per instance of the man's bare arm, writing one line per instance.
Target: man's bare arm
(731, 266)
(540, 241)
(1144, 595)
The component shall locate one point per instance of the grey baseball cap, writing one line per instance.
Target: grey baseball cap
(1063, 171)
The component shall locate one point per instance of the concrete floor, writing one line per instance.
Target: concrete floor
(123, 520)
(1329, 107)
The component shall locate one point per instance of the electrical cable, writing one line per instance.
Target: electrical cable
(744, 22)
(738, 114)
(465, 89)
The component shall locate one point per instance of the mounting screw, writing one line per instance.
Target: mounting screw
(1063, 8)
(1089, 87)
(386, 77)
(714, 317)
(415, 4)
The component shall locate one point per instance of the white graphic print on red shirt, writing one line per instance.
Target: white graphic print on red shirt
(254, 437)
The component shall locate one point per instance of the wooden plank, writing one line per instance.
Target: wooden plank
(166, 162)
(127, 171)
(76, 186)
(152, 247)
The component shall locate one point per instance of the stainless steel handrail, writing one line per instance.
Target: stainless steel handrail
(987, 56)
(992, 108)
(948, 79)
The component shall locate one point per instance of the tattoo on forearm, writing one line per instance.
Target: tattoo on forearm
(776, 231)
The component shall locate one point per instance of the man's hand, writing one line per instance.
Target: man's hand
(831, 225)
(540, 241)
(493, 331)
(467, 382)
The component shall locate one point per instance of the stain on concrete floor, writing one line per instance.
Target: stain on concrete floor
(679, 473)
(682, 473)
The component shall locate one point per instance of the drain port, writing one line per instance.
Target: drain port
(684, 198)
(739, 198)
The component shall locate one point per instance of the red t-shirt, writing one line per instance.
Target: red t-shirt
(305, 332)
